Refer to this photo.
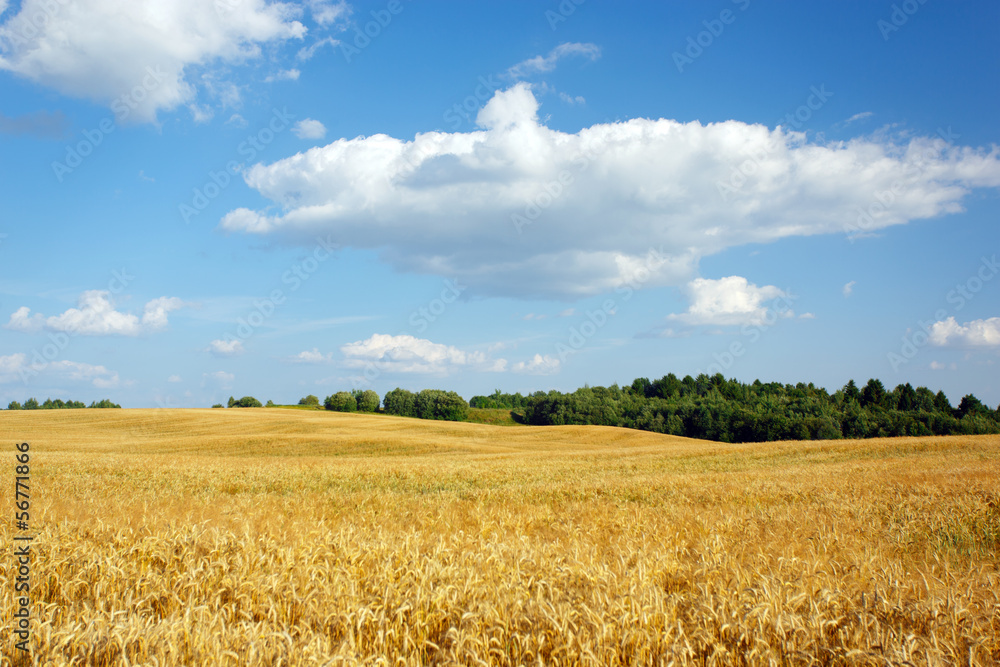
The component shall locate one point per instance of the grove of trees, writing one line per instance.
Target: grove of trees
(353, 401)
(426, 404)
(59, 404)
(245, 402)
(714, 408)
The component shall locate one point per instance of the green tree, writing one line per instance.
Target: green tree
(269, 404)
(232, 402)
(309, 400)
(247, 402)
(851, 392)
(342, 401)
(971, 405)
(873, 394)
(13, 405)
(400, 402)
(368, 401)
(31, 404)
(218, 405)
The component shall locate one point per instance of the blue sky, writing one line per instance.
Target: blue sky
(240, 197)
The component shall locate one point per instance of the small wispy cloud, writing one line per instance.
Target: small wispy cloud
(547, 63)
(309, 128)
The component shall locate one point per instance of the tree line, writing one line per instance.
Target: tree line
(714, 408)
(59, 404)
(424, 404)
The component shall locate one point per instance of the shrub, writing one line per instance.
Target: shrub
(309, 400)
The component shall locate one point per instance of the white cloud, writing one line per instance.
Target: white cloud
(859, 116)
(729, 301)
(154, 316)
(222, 378)
(326, 13)
(849, 288)
(237, 120)
(307, 53)
(17, 367)
(139, 57)
(569, 99)
(445, 203)
(807, 316)
(548, 62)
(174, 378)
(309, 128)
(538, 365)
(977, 333)
(313, 356)
(22, 320)
(95, 315)
(284, 75)
(226, 348)
(408, 354)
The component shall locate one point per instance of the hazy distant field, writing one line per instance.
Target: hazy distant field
(245, 537)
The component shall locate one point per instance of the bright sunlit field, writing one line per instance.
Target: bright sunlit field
(293, 537)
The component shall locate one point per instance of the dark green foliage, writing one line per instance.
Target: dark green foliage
(498, 400)
(232, 402)
(400, 402)
(438, 404)
(427, 404)
(269, 404)
(367, 400)
(342, 401)
(59, 404)
(309, 400)
(714, 408)
(245, 402)
(218, 405)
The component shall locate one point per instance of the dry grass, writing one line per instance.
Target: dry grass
(263, 537)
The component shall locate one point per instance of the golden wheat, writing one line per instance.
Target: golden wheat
(264, 537)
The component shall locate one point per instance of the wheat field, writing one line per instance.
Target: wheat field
(287, 537)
